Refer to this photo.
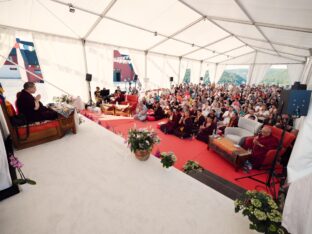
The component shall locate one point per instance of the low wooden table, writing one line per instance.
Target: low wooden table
(68, 124)
(233, 153)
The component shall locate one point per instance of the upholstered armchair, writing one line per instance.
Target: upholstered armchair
(246, 128)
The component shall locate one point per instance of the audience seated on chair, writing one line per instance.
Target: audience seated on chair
(260, 145)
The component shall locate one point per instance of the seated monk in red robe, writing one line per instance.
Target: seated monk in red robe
(260, 145)
(31, 107)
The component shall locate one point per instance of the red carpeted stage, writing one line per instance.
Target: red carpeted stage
(184, 149)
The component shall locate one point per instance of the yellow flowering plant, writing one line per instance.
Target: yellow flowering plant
(262, 211)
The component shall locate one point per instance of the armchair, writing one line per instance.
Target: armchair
(132, 100)
(288, 140)
(246, 128)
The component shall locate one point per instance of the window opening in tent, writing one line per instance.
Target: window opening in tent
(24, 54)
(123, 70)
(276, 75)
(235, 74)
(187, 76)
(206, 79)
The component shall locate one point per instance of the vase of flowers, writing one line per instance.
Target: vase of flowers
(141, 142)
(262, 211)
(168, 159)
(192, 166)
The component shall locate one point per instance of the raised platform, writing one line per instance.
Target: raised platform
(91, 183)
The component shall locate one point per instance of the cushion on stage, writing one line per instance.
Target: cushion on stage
(150, 118)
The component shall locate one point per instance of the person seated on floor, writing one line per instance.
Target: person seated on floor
(97, 96)
(174, 117)
(158, 111)
(141, 112)
(206, 130)
(31, 107)
(199, 120)
(185, 126)
(260, 145)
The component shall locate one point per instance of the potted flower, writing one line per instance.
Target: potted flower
(15, 163)
(168, 159)
(262, 211)
(141, 142)
(192, 166)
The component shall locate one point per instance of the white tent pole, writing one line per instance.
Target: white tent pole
(306, 69)
(252, 69)
(215, 73)
(86, 68)
(200, 69)
(145, 65)
(35, 75)
(179, 74)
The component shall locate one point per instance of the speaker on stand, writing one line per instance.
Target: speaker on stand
(89, 79)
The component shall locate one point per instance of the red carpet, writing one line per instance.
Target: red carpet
(186, 149)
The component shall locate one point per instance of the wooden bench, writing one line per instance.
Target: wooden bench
(39, 132)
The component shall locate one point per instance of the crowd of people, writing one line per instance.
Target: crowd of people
(195, 110)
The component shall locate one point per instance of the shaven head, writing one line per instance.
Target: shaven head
(266, 131)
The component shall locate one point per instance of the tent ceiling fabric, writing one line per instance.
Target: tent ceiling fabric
(181, 25)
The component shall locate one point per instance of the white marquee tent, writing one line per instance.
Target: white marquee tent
(162, 38)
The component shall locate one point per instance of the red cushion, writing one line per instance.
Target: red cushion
(150, 118)
(38, 127)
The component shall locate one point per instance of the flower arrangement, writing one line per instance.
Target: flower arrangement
(141, 139)
(14, 162)
(192, 166)
(64, 98)
(168, 159)
(262, 212)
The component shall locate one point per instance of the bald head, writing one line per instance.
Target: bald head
(266, 131)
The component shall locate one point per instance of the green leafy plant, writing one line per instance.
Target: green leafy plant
(141, 139)
(192, 166)
(262, 211)
(168, 159)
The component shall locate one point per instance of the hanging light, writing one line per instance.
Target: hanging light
(155, 34)
(71, 8)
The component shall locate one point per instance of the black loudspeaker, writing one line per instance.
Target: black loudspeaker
(171, 79)
(201, 78)
(88, 77)
(135, 77)
(294, 102)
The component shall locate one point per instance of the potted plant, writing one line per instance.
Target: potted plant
(192, 166)
(262, 211)
(141, 142)
(168, 159)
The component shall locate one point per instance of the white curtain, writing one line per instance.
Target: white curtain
(138, 62)
(259, 73)
(5, 178)
(62, 64)
(156, 75)
(295, 72)
(297, 215)
(219, 71)
(100, 64)
(7, 41)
